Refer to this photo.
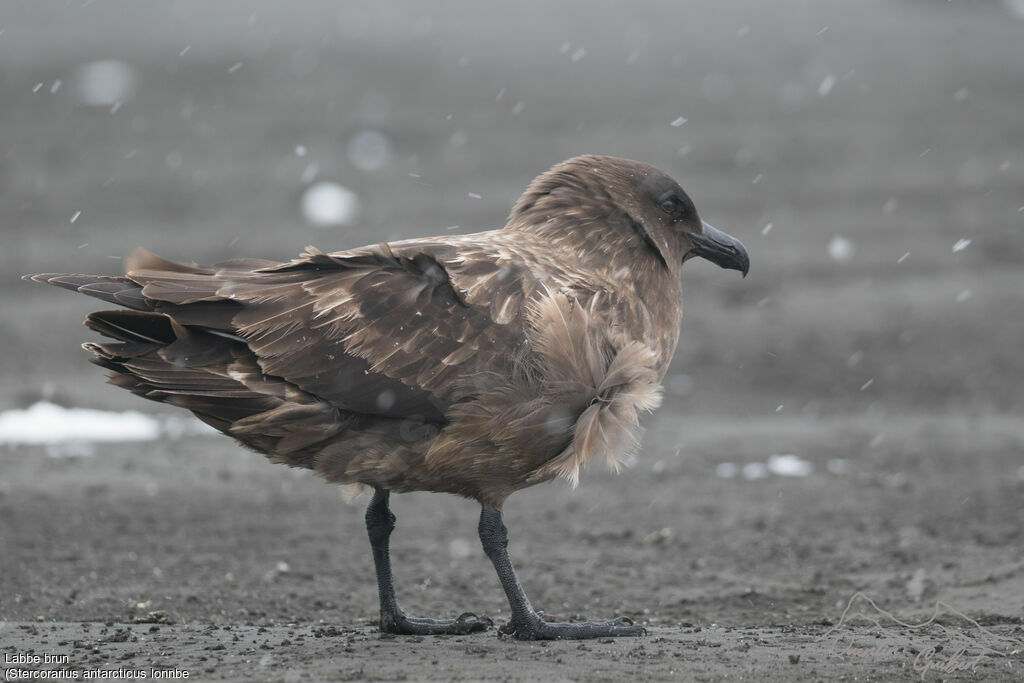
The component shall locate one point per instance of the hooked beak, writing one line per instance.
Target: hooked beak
(721, 249)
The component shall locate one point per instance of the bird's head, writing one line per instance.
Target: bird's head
(632, 197)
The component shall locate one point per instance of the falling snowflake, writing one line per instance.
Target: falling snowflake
(105, 83)
(840, 249)
(369, 150)
(325, 204)
(826, 85)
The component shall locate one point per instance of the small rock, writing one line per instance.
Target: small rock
(659, 536)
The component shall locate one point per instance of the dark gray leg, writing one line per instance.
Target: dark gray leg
(525, 623)
(380, 522)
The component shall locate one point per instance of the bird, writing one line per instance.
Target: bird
(475, 365)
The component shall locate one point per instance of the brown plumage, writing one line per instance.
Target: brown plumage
(476, 364)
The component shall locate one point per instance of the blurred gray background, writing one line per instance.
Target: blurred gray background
(870, 154)
(859, 132)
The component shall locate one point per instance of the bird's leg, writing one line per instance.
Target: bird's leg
(380, 522)
(526, 624)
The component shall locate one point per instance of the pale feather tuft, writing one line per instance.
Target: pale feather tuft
(619, 378)
(351, 492)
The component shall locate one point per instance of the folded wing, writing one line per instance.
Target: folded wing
(286, 357)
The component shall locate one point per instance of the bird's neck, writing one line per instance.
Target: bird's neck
(606, 246)
(597, 256)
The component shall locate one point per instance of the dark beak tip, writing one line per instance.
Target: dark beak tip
(722, 249)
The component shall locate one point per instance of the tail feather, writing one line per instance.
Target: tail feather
(222, 385)
(132, 326)
(112, 289)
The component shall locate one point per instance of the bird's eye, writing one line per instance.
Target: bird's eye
(670, 205)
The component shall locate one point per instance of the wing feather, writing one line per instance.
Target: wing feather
(389, 330)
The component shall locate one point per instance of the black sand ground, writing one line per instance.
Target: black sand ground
(895, 126)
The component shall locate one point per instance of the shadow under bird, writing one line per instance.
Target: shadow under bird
(476, 364)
